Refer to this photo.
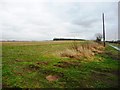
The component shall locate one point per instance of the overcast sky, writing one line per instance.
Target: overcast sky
(45, 20)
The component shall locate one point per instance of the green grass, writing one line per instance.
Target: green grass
(26, 65)
(116, 44)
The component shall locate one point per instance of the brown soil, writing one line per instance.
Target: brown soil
(18, 60)
(67, 64)
(42, 63)
(52, 77)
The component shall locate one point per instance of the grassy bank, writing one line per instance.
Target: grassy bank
(37, 64)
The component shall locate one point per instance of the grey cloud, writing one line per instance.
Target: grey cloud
(85, 22)
(35, 20)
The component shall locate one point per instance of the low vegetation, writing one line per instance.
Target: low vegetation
(61, 64)
(85, 50)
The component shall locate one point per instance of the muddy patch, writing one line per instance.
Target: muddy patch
(33, 67)
(18, 60)
(52, 77)
(5, 86)
(42, 63)
(18, 73)
(50, 72)
(67, 64)
(21, 60)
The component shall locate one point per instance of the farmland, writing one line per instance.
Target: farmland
(55, 64)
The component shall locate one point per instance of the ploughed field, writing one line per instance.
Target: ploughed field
(59, 64)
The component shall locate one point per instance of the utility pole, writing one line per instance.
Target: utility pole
(103, 29)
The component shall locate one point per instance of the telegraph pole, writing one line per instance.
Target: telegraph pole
(103, 29)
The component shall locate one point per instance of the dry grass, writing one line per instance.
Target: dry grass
(86, 50)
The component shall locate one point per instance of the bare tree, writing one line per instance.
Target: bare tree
(98, 37)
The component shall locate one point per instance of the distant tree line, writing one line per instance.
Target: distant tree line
(118, 41)
(62, 39)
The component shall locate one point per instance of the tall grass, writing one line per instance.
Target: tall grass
(86, 50)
